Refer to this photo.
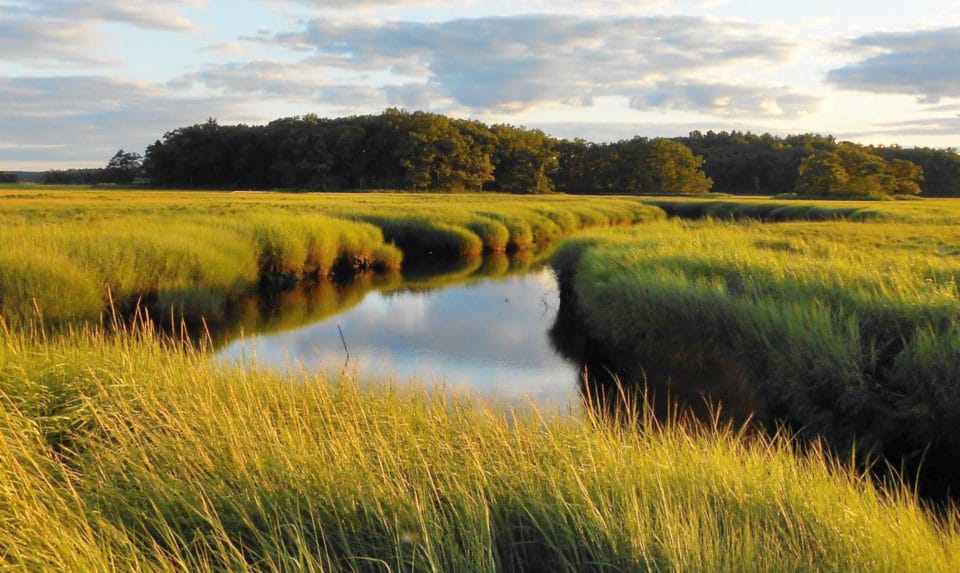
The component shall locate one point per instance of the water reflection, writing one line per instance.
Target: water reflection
(496, 325)
(489, 335)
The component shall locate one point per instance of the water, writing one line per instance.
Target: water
(489, 336)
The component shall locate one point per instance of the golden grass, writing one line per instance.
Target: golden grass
(849, 330)
(132, 453)
(69, 254)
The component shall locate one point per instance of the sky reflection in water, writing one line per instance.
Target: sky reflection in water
(490, 336)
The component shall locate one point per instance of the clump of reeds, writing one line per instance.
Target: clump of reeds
(768, 211)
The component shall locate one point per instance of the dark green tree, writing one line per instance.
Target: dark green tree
(822, 174)
(673, 168)
(907, 177)
(433, 153)
(524, 160)
(855, 171)
(124, 167)
(941, 167)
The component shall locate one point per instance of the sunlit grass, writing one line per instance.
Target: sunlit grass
(928, 210)
(851, 331)
(70, 255)
(128, 452)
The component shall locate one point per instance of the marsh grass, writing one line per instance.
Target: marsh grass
(768, 211)
(850, 331)
(70, 270)
(68, 253)
(137, 452)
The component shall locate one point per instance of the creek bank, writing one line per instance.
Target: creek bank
(699, 368)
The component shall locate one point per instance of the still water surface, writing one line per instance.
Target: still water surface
(489, 336)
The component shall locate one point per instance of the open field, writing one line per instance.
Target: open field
(130, 453)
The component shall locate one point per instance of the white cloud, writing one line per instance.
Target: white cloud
(727, 99)
(85, 119)
(148, 14)
(291, 80)
(925, 63)
(33, 41)
(513, 63)
(63, 31)
(530, 6)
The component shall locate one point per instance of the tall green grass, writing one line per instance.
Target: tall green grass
(849, 331)
(70, 270)
(774, 209)
(72, 255)
(131, 452)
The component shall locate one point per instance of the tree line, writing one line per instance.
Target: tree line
(744, 163)
(124, 168)
(398, 149)
(416, 151)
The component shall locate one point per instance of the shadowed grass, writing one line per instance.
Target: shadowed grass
(769, 211)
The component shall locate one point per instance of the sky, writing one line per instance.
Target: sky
(81, 79)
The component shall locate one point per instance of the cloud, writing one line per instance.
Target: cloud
(605, 132)
(946, 125)
(302, 82)
(85, 119)
(590, 6)
(148, 14)
(261, 77)
(60, 31)
(417, 96)
(923, 63)
(355, 97)
(513, 63)
(726, 99)
(29, 41)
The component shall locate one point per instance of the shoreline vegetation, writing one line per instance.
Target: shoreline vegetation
(847, 332)
(131, 449)
(75, 256)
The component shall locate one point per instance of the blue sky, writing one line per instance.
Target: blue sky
(80, 79)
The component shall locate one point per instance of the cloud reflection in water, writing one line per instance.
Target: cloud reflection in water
(490, 336)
